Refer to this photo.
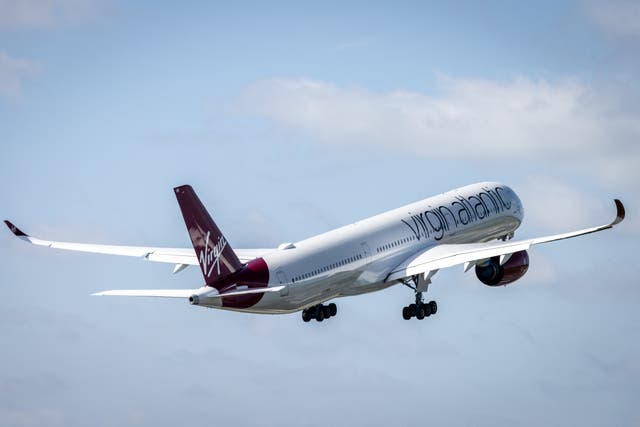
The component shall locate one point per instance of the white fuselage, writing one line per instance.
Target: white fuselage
(357, 258)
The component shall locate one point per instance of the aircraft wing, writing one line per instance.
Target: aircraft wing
(181, 257)
(449, 255)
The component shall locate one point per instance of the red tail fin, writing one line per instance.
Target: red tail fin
(217, 259)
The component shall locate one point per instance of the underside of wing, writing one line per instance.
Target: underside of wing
(443, 256)
(448, 255)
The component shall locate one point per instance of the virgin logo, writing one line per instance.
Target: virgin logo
(210, 255)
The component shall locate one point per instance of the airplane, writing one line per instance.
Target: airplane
(472, 226)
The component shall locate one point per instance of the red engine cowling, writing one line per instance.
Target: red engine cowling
(494, 274)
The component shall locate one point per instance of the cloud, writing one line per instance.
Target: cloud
(579, 208)
(620, 18)
(466, 119)
(13, 71)
(45, 14)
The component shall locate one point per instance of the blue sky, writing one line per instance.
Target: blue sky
(290, 119)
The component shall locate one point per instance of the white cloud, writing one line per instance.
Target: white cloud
(13, 71)
(36, 14)
(577, 208)
(616, 17)
(563, 121)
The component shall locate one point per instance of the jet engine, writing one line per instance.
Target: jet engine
(491, 273)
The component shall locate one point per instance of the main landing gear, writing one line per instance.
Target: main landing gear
(319, 312)
(419, 309)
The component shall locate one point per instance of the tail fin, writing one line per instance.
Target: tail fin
(217, 259)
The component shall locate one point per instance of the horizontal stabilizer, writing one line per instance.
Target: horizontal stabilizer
(207, 292)
(163, 293)
(249, 292)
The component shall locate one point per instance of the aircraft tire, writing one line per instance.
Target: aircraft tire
(333, 309)
(406, 313)
(420, 313)
(427, 310)
(433, 307)
(326, 311)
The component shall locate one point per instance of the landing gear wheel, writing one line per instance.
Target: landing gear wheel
(319, 312)
(433, 306)
(420, 313)
(333, 309)
(427, 310)
(326, 311)
(406, 313)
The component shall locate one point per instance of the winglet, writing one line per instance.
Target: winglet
(620, 213)
(15, 230)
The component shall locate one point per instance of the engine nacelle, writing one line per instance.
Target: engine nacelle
(492, 273)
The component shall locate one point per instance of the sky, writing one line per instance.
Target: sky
(290, 119)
